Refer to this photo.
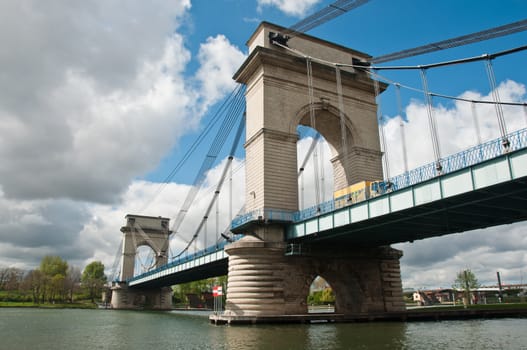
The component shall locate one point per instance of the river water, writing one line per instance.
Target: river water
(130, 330)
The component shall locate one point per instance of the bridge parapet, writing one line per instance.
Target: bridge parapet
(471, 156)
(264, 215)
(206, 256)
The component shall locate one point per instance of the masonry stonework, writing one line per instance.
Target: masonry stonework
(262, 280)
(142, 231)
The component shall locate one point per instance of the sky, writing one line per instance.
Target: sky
(101, 99)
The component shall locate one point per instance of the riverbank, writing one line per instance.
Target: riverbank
(13, 304)
(415, 315)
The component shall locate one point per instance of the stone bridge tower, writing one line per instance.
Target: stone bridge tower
(262, 281)
(142, 231)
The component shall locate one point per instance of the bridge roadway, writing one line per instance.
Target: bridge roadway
(480, 191)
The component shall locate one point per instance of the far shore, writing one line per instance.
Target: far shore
(48, 305)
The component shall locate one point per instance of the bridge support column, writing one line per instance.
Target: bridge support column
(124, 297)
(151, 231)
(256, 276)
(363, 280)
(265, 284)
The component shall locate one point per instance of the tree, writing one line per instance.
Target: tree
(466, 281)
(181, 291)
(93, 278)
(72, 282)
(327, 297)
(54, 271)
(11, 278)
(53, 265)
(34, 283)
(57, 288)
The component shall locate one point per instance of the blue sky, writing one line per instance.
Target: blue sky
(102, 98)
(377, 28)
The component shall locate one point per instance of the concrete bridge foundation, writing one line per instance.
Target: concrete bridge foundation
(263, 281)
(124, 297)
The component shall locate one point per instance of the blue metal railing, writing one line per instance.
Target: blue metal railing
(276, 215)
(322, 208)
(474, 155)
(183, 259)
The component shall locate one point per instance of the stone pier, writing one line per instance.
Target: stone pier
(142, 231)
(263, 282)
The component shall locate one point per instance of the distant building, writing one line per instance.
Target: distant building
(481, 295)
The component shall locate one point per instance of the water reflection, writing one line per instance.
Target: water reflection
(94, 329)
(316, 336)
(359, 336)
(266, 337)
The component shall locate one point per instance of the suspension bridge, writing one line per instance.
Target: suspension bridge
(275, 246)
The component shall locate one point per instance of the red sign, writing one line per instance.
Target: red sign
(217, 291)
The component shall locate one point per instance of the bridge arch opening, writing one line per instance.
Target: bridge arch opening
(337, 133)
(313, 151)
(145, 259)
(321, 297)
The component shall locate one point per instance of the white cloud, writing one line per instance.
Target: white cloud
(219, 59)
(94, 95)
(89, 96)
(296, 8)
(434, 262)
(30, 229)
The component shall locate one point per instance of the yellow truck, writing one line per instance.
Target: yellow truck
(358, 192)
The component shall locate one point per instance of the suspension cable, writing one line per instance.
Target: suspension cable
(218, 215)
(326, 14)
(454, 42)
(380, 123)
(301, 174)
(401, 126)
(231, 98)
(322, 172)
(205, 226)
(390, 81)
(343, 129)
(218, 187)
(428, 95)
(117, 261)
(212, 154)
(310, 150)
(476, 122)
(431, 122)
(496, 98)
(230, 197)
(455, 62)
(313, 124)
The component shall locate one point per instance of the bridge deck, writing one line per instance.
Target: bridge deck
(487, 194)
(207, 263)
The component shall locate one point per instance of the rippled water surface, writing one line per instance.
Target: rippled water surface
(110, 329)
